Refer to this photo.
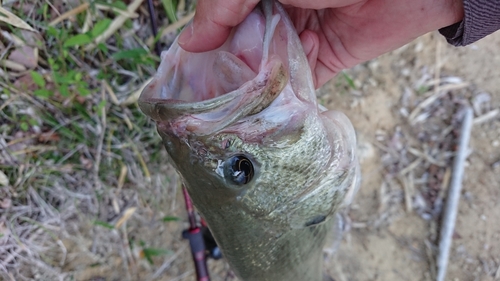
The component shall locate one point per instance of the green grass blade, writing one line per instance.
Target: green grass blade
(170, 8)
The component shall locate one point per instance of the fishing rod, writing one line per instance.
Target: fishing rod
(196, 242)
(201, 241)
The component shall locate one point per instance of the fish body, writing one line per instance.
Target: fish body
(264, 165)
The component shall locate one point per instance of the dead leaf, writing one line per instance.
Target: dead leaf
(14, 20)
(25, 55)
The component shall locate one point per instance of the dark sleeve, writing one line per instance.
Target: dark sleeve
(481, 18)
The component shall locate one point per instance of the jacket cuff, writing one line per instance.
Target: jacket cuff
(481, 18)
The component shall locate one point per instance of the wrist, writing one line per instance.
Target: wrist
(456, 11)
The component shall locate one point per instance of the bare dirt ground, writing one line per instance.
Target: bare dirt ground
(388, 241)
(77, 223)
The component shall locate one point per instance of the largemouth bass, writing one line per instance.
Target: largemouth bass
(265, 166)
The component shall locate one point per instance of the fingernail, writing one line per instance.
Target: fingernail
(186, 34)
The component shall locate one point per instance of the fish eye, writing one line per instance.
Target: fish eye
(238, 169)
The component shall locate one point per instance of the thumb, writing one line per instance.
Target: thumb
(213, 22)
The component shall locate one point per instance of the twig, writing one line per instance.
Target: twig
(111, 93)
(126, 215)
(116, 10)
(102, 133)
(70, 13)
(411, 167)
(178, 24)
(486, 117)
(439, 92)
(430, 255)
(145, 169)
(437, 73)
(171, 28)
(426, 156)
(409, 188)
(7, 102)
(130, 262)
(183, 275)
(450, 212)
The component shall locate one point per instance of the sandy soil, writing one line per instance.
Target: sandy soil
(388, 242)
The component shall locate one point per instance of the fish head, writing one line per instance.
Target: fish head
(242, 126)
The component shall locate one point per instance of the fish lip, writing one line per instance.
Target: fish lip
(160, 109)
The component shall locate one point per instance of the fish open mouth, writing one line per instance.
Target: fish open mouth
(211, 90)
(196, 82)
(209, 116)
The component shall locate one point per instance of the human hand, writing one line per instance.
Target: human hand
(335, 34)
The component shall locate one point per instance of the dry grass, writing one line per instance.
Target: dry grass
(83, 180)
